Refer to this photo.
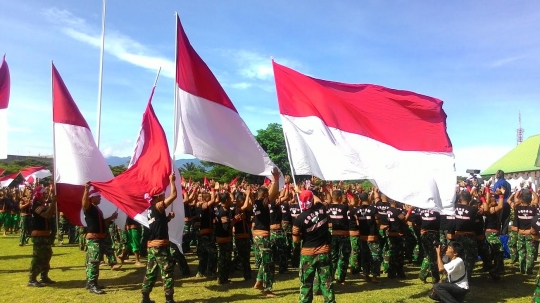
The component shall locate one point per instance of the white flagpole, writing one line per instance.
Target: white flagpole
(157, 77)
(100, 87)
(175, 113)
(54, 150)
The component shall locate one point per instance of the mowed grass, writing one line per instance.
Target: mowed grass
(125, 285)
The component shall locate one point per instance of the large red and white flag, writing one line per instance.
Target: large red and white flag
(5, 181)
(396, 138)
(147, 175)
(38, 172)
(207, 123)
(77, 158)
(4, 101)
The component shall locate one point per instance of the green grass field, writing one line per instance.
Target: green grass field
(124, 285)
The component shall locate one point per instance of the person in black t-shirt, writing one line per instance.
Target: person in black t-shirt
(430, 225)
(295, 211)
(223, 233)
(524, 214)
(492, 210)
(396, 229)
(311, 229)
(354, 233)
(241, 227)
(341, 244)
(367, 218)
(159, 253)
(381, 203)
(206, 243)
(96, 227)
(465, 217)
(42, 252)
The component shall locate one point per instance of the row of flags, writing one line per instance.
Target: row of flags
(335, 131)
(30, 175)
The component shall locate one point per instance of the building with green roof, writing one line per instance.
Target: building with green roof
(520, 164)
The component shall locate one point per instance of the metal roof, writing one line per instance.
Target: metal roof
(523, 158)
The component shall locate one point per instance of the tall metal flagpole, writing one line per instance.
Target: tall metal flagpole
(175, 113)
(54, 150)
(100, 87)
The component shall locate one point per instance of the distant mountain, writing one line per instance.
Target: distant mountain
(116, 161)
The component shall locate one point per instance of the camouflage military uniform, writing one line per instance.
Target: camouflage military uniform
(243, 247)
(206, 251)
(526, 249)
(371, 258)
(180, 259)
(41, 257)
(341, 252)
(224, 261)
(81, 232)
(497, 251)
(278, 243)
(25, 230)
(355, 259)
(429, 264)
(470, 248)
(267, 266)
(159, 257)
(93, 258)
(536, 295)
(309, 266)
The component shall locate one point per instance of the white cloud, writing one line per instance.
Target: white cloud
(241, 85)
(122, 149)
(121, 46)
(256, 66)
(504, 61)
(478, 157)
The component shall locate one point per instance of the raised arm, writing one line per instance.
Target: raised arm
(85, 201)
(273, 192)
(173, 194)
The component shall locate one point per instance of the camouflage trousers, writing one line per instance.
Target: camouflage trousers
(396, 260)
(310, 266)
(287, 229)
(96, 249)
(65, 229)
(371, 258)
(355, 259)
(536, 295)
(526, 250)
(295, 255)
(25, 230)
(341, 252)
(470, 252)
(81, 233)
(412, 244)
(512, 245)
(497, 252)
(187, 236)
(206, 251)
(429, 264)
(224, 261)
(278, 242)
(15, 218)
(41, 257)
(444, 240)
(384, 245)
(267, 267)
(120, 241)
(159, 258)
(243, 247)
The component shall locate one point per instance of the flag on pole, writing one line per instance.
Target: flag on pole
(396, 138)
(4, 101)
(233, 182)
(77, 158)
(205, 182)
(208, 125)
(2, 171)
(267, 181)
(147, 176)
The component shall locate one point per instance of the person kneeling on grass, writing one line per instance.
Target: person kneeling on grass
(457, 287)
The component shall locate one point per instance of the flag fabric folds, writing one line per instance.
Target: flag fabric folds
(78, 160)
(395, 138)
(4, 102)
(38, 172)
(208, 125)
(5, 181)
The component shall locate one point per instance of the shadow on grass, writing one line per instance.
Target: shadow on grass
(15, 257)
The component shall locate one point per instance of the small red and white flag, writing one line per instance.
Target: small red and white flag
(267, 181)
(2, 171)
(396, 138)
(5, 181)
(206, 182)
(38, 172)
(233, 182)
(78, 160)
(207, 123)
(4, 102)
(147, 175)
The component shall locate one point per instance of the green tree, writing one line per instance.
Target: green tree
(116, 170)
(272, 141)
(192, 171)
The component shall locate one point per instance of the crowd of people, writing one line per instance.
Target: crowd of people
(328, 231)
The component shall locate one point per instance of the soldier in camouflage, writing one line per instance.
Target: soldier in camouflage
(159, 252)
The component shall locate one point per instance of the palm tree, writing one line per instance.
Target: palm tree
(189, 167)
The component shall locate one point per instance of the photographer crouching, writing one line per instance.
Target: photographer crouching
(457, 286)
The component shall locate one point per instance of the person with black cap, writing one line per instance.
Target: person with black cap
(311, 229)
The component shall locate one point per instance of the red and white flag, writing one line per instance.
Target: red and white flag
(5, 181)
(38, 172)
(207, 123)
(396, 138)
(2, 171)
(78, 160)
(147, 175)
(4, 101)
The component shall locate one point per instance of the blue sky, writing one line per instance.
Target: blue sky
(481, 60)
